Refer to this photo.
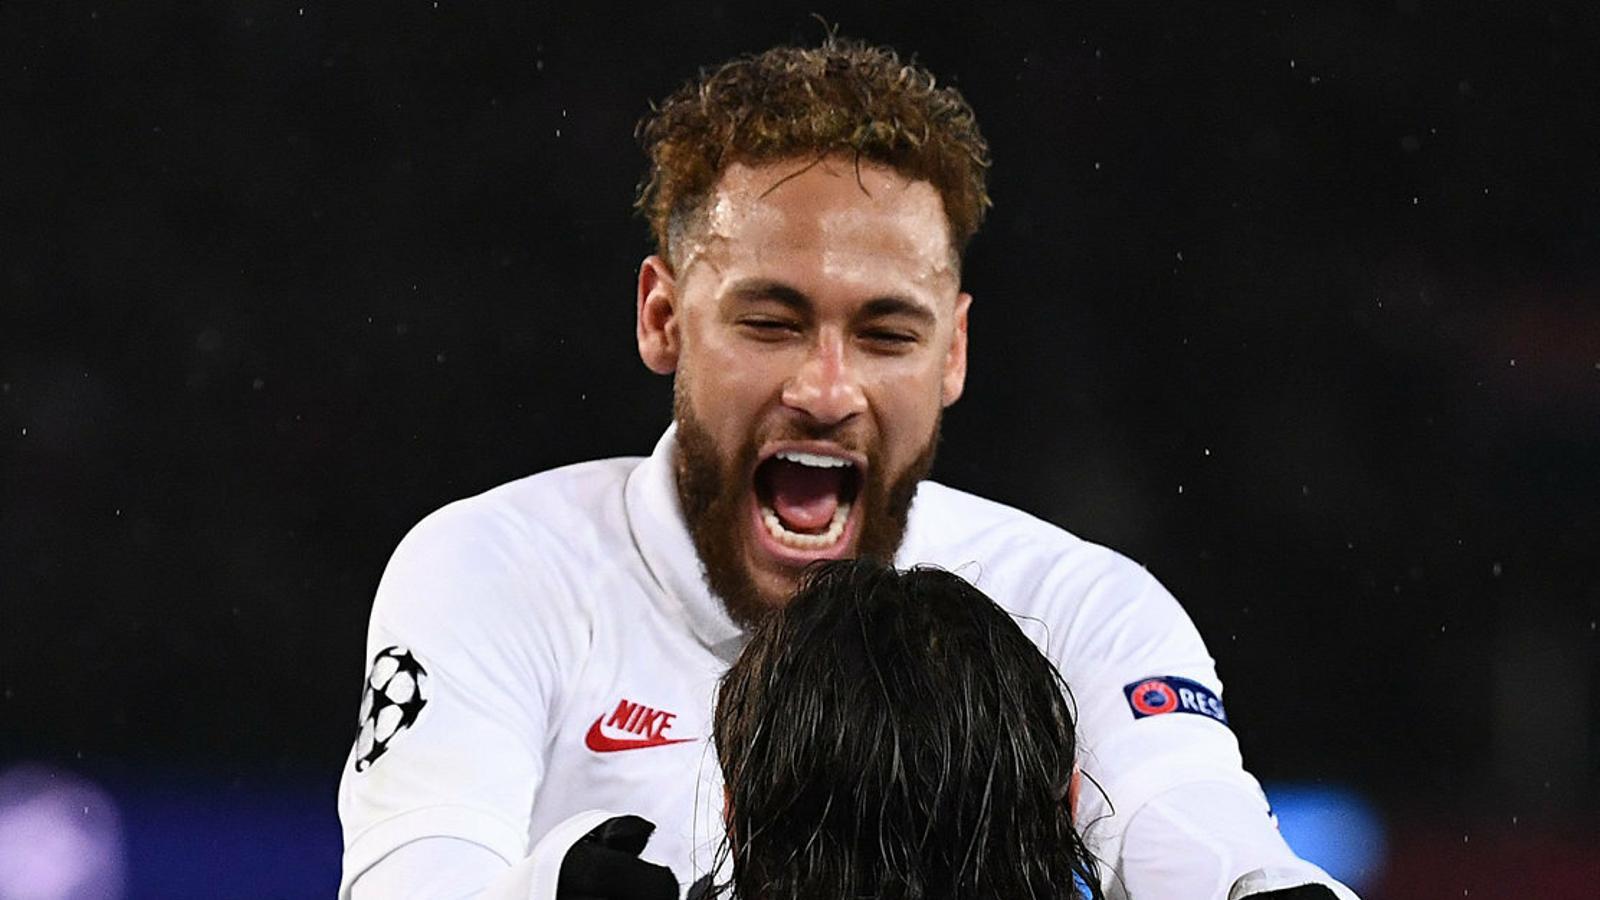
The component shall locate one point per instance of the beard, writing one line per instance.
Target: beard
(713, 488)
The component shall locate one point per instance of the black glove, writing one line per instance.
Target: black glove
(701, 889)
(1303, 892)
(605, 865)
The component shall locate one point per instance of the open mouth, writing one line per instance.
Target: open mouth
(804, 498)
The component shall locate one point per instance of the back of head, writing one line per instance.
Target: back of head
(895, 735)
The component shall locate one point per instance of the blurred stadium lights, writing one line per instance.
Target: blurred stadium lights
(60, 837)
(171, 835)
(1334, 827)
(63, 837)
(262, 837)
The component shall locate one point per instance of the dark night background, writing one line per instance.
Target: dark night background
(1299, 305)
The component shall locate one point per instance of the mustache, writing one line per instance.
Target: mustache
(851, 439)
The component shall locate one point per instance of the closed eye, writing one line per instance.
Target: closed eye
(768, 328)
(891, 338)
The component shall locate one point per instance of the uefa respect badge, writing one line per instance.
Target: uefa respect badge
(1161, 695)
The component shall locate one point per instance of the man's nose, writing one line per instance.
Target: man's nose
(826, 387)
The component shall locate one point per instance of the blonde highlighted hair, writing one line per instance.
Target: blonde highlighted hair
(843, 97)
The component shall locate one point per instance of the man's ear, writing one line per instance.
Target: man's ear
(955, 360)
(657, 325)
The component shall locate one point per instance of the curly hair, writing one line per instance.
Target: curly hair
(843, 97)
(894, 735)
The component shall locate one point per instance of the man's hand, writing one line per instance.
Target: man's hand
(604, 865)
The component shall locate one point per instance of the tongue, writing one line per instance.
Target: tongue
(804, 497)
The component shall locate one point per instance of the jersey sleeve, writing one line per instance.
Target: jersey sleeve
(465, 651)
(1151, 721)
(1212, 841)
(434, 867)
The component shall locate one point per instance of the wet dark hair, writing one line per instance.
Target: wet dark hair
(894, 735)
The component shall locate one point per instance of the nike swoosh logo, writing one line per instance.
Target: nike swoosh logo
(601, 743)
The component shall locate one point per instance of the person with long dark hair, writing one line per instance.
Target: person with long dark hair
(895, 735)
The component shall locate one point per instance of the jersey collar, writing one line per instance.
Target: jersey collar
(659, 531)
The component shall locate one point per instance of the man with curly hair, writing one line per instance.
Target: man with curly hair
(553, 646)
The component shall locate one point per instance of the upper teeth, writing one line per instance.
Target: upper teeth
(813, 459)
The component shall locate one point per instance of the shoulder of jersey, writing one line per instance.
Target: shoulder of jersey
(577, 508)
(952, 528)
(943, 515)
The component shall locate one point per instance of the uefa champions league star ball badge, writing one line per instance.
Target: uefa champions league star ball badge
(395, 693)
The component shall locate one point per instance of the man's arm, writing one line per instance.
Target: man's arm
(431, 867)
(1213, 839)
(1167, 803)
(591, 856)
(465, 652)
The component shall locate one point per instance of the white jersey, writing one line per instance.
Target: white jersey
(551, 647)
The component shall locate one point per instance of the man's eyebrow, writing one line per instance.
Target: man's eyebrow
(766, 289)
(751, 289)
(895, 305)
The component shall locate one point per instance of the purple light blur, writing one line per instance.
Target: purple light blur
(60, 837)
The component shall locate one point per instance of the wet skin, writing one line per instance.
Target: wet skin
(814, 307)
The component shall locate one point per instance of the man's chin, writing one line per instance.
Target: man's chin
(769, 586)
(774, 589)
(776, 573)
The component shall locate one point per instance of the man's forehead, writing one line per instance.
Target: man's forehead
(872, 180)
(827, 208)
